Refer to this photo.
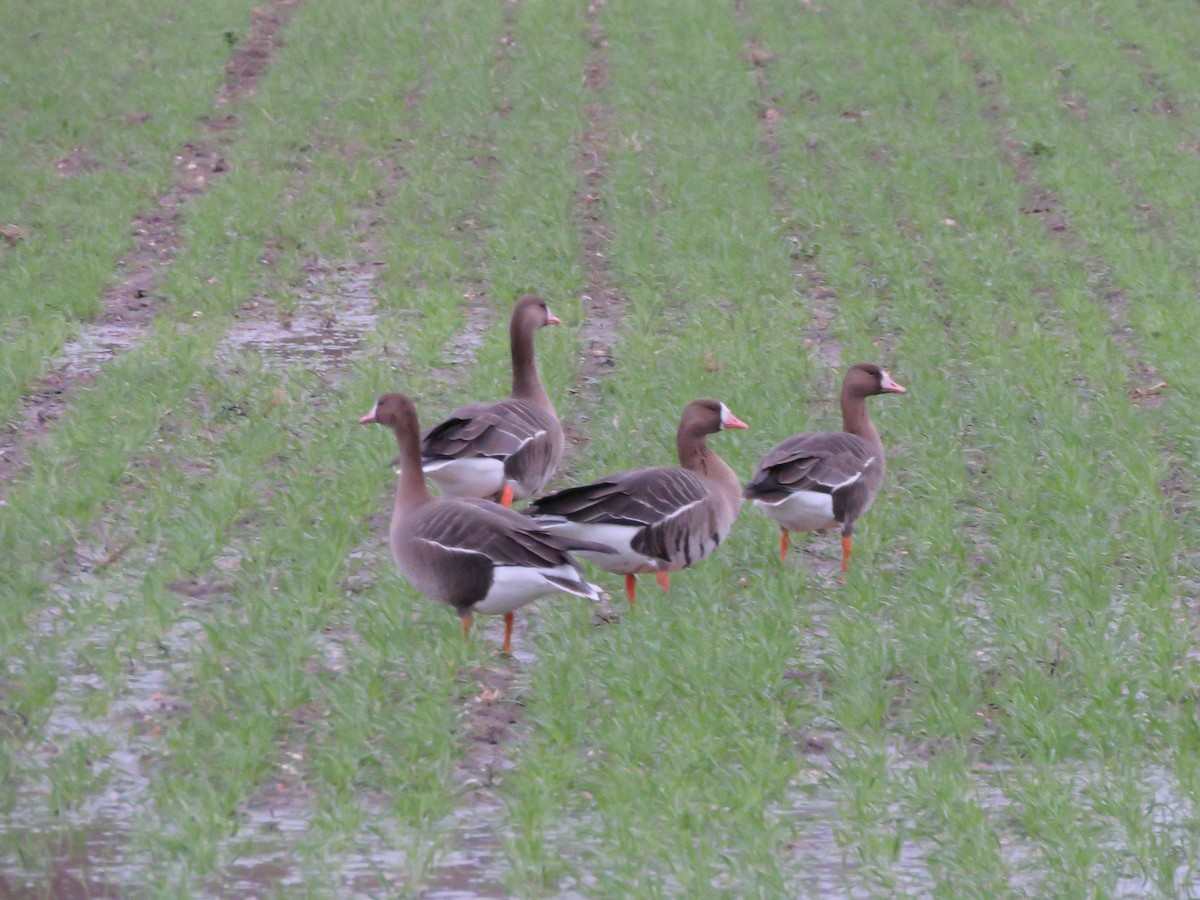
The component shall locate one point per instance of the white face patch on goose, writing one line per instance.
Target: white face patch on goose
(729, 420)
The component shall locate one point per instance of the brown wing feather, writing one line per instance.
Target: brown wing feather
(495, 430)
(685, 538)
(679, 517)
(465, 540)
(636, 497)
(504, 536)
(815, 461)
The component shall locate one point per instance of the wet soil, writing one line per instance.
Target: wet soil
(463, 347)
(77, 162)
(491, 720)
(83, 850)
(131, 303)
(329, 324)
(252, 55)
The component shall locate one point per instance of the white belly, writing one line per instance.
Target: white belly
(474, 477)
(801, 511)
(622, 561)
(516, 586)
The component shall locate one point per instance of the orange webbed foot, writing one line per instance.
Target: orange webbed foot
(847, 547)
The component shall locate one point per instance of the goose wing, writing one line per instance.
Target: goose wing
(494, 430)
(823, 462)
(675, 511)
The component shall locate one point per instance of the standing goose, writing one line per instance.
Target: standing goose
(659, 519)
(817, 480)
(506, 450)
(471, 554)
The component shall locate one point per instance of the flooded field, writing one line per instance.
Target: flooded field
(227, 227)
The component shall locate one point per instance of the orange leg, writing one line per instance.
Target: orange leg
(664, 580)
(506, 497)
(506, 647)
(631, 588)
(784, 543)
(467, 620)
(847, 546)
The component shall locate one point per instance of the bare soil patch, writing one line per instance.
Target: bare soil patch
(252, 56)
(77, 162)
(491, 720)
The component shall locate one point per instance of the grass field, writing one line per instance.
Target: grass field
(213, 682)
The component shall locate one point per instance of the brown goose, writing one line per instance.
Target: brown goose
(472, 554)
(655, 520)
(506, 450)
(817, 480)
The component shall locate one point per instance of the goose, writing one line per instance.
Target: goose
(506, 450)
(659, 519)
(819, 480)
(474, 555)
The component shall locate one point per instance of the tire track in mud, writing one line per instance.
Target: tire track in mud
(1143, 384)
(147, 695)
(811, 282)
(1142, 381)
(604, 302)
(493, 721)
(1168, 103)
(462, 349)
(131, 304)
(284, 795)
(324, 330)
(488, 713)
(497, 720)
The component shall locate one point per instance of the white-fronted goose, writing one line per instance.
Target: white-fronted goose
(472, 554)
(818, 480)
(659, 519)
(507, 450)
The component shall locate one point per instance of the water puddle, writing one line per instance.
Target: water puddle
(80, 866)
(473, 862)
(1165, 809)
(89, 760)
(826, 859)
(329, 325)
(463, 347)
(98, 343)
